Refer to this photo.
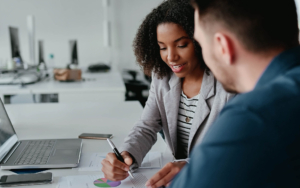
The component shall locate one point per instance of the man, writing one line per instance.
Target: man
(252, 48)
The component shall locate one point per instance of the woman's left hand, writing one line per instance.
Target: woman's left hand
(165, 175)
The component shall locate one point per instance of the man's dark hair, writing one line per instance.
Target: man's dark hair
(145, 44)
(260, 25)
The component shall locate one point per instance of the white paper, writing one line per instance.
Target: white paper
(152, 160)
(139, 180)
(63, 183)
(91, 161)
(87, 181)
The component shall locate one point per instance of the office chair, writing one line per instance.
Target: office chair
(135, 88)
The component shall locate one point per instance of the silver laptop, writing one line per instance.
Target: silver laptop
(28, 154)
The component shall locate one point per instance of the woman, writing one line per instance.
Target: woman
(184, 98)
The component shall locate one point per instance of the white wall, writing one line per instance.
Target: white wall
(58, 21)
(128, 17)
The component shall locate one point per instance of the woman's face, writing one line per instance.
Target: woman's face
(177, 49)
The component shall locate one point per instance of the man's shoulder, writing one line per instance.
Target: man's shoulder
(280, 94)
(268, 114)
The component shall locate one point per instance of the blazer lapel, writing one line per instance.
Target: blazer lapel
(207, 91)
(171, 102)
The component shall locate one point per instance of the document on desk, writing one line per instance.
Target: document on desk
(90, 181)
(152, 160)
(91, 161)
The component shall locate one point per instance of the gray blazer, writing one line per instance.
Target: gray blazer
(161, 112)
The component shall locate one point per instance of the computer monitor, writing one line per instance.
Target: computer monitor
(15, 46)
(41, 53)
(73, 52)
(31, 37)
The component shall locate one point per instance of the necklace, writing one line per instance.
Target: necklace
(187, 118)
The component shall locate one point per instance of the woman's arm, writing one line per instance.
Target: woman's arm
(144, 134)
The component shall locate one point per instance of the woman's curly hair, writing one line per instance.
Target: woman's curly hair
(145, 44)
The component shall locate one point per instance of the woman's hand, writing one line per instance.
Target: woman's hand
(165, 175)
(114, 169)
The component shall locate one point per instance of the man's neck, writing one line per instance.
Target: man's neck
(250, 69)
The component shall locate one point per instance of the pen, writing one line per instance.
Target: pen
(119, 156)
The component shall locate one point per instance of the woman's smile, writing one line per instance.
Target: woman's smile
(177, 68)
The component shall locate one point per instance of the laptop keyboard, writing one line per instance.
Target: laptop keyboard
(36, 152)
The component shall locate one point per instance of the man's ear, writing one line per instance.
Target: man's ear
(224, 48)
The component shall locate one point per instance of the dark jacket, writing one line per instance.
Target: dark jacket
(255, 142)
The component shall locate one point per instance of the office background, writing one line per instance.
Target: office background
(95, 105)
(58, 21)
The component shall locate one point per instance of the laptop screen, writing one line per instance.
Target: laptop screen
(8, 135)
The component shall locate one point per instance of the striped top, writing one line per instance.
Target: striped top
(187, 108)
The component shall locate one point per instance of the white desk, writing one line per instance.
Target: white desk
(97, 87)
(43, 121)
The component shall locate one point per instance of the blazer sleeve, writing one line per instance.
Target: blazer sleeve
(144, 133)
(233, 154)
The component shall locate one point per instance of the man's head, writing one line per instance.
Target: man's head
(231, 32)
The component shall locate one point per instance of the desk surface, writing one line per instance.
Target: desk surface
(42, 121)
(93, 82)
